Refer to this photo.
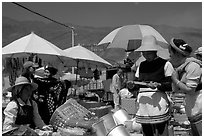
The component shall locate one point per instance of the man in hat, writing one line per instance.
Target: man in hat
(22, 110)
(152, 108)
(186, 79)
(29, 70)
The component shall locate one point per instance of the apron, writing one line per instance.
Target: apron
(152, 106)
(25, 115)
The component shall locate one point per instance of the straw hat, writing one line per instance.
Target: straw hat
(149, 43)
(181, 46)
(22, 81)
(28, 64)
(198, 51)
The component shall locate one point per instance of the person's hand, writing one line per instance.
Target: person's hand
(174, 76)
(35, 96)
(47, 128)
(153, 85)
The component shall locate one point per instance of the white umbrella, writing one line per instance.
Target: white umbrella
(129, 38)
(84, 57)
(32, 43)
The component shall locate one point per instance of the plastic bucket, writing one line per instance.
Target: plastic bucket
(99, 128)
(121, 116)
(108, 122)
(118, 130)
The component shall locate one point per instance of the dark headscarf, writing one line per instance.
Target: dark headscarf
(52, 70)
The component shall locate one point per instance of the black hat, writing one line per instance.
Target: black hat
(52, 70)
(181, 46)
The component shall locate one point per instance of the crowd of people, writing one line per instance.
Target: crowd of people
(34, 100)
(182, 73)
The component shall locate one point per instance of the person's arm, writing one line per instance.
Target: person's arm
(166, 83)
(37, 118)
(10, 113)
(188, 83)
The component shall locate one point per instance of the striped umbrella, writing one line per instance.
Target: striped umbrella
(129, 38)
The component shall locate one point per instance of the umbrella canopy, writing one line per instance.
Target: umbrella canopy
(32, 43)
(130, 37)
(85, 57)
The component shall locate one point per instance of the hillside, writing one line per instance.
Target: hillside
(87, 36)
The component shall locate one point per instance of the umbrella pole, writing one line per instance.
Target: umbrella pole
(60, 59)
(77, 70)
(76, 76)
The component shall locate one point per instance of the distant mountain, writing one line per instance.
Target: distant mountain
(56, 34)
(85, 35)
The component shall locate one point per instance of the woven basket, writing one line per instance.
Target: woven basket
(71, 114)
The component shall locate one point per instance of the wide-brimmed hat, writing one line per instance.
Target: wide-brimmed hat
(198, 51)
(22, 81)
(149, 43)
(181, 46)
(28, 64)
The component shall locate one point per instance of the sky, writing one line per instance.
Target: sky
(113, 14)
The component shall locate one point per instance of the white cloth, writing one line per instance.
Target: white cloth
(124, 93)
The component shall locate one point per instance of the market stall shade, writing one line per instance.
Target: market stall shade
(84, 57)
(33, 44)
(129, 38)
(70, 77)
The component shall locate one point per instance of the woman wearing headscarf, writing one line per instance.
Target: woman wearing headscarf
(22, 110)
(186, 79)
(152, 107)
(47, 94)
